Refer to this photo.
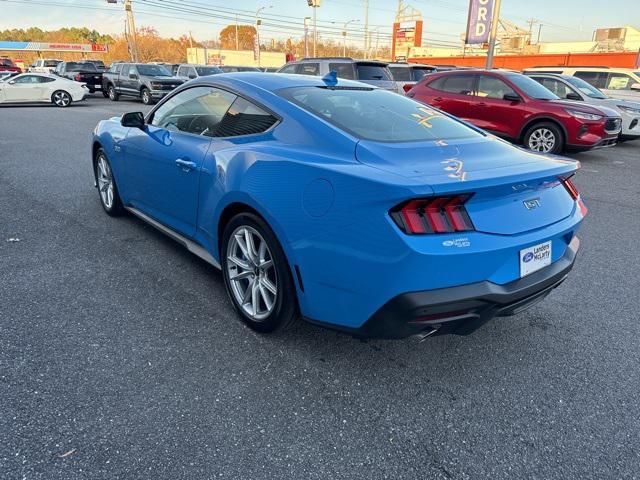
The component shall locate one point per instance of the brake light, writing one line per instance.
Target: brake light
(571, 188)
(575, 195)
(407, 87)
(78, 77)
(433, 215)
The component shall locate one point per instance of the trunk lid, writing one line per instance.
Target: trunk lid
(514, 190)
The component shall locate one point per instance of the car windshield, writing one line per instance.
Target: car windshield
(420, 72)
(78, 67)
(372, 71)
(377, 115)
(586, 88)
(530, 87)
(207, 70)
(6, 62)
(153, 71)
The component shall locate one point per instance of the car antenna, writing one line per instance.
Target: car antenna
(331, 78)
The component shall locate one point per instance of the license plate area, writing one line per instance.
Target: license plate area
(535, 258)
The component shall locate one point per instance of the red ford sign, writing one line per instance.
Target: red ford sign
(479, 22)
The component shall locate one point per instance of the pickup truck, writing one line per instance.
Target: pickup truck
(44, 65)
(144, 81)
(82, 72)
(7, 65)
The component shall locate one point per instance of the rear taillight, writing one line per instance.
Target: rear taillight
(575, 195)
(407, 87)
(78, 77)
(433, 215)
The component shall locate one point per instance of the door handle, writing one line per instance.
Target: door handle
(481, 104)
(185, 165)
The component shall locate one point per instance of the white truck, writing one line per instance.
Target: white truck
(44, 65)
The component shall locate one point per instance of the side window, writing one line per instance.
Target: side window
(47, 79)
(198, 110)
(192, 72)
(556, 86)
(115, 68)
(494, 88)
(401, 74)
(308, 69)
(619, 81)
(244, 118)
(459, 84)
(182, 71)
(344, 70)
(289, 68)
(597, 79)
(28, 79)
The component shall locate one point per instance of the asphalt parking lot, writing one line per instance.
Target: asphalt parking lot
(121, 357)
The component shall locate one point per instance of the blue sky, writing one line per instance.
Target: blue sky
(563, 20)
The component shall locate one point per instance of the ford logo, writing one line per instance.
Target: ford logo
(528, 257)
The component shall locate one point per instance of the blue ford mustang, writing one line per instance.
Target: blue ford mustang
(342, 204)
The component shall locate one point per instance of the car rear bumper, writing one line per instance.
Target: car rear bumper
(463, 309)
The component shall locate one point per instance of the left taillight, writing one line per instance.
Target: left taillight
(78, 77)
(433, 215)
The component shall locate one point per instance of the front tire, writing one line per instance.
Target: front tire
(61, 99)
(544, 137)
(107, 188)
(112, 94)
(146, 97)
(257, 275)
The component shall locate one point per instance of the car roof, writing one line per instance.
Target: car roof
(272, 82)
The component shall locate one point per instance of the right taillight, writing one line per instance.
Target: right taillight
(575, 195)
(433, 215)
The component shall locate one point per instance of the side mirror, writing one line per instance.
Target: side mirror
(133, 120)
(573, 96)
(511, 97)
(192, 76)
(133, 76)
(12, 82)
(635, 86)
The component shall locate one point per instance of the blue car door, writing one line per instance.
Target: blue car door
(163, 161)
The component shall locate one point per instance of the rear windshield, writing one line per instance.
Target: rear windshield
(586, 88)
(372, 71)
(153, 70)
(202, 71)
(81, 67)
(401, 74)
(377, 115)
(51, 63)
(530, 87)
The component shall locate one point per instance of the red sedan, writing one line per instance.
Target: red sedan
(519, 109)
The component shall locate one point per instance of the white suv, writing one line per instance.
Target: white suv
(623, 83)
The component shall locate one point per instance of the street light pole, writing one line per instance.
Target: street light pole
(344, 35)
(258, 22)
(306, 36)
(314, 4)
(494, 33)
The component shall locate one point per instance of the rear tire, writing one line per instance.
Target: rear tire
(112, 94)
(146, 97)
(61, 99)
(107, 188)
(259, 283)
(544, 137)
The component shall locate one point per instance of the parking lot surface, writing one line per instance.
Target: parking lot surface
(121, 357)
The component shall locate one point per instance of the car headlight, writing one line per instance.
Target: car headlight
(156, 86)
(629, 110)
(584, 115)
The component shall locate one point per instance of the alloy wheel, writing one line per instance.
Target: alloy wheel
(542, 140)
(61, 99)
(105, 182)
(251, 272)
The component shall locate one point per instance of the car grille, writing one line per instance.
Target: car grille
(613, 125)
(168, 86)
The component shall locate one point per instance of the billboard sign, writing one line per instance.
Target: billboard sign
(479, 21)
(54, 47)
(405, 36)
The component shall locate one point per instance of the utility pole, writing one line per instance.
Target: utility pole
(344, 36)
(237, 39)
(257, 40)
(131, 27)
(314, 4)
(306, 36)
(494, 33)
(539, 32)
(367, 40)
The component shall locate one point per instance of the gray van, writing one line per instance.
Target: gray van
(367, 71)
